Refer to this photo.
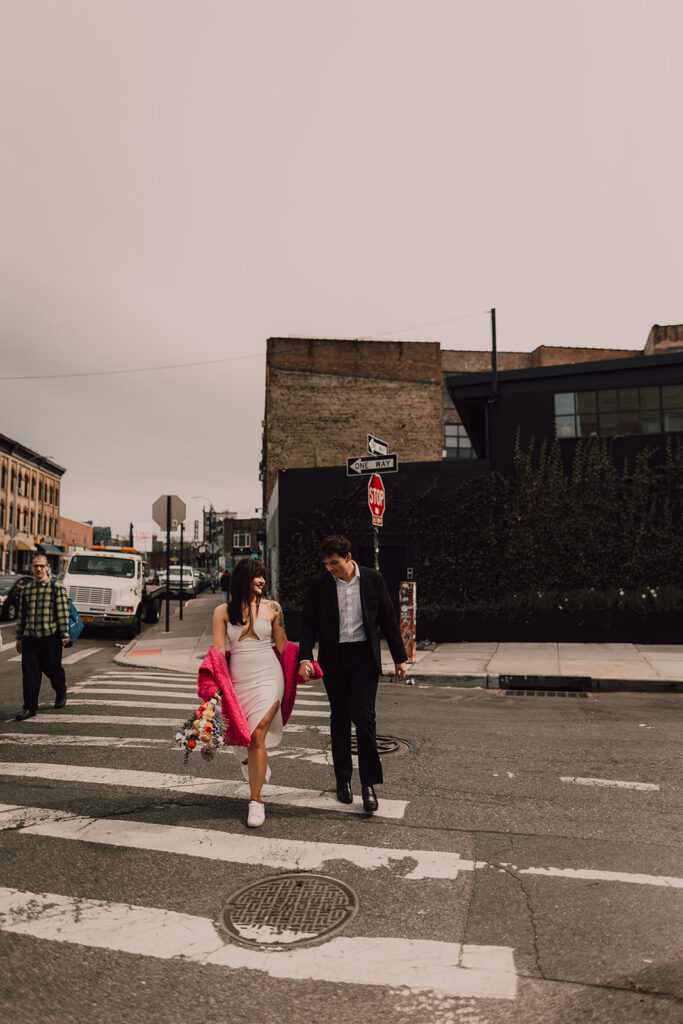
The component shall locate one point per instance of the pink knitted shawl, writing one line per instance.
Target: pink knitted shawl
(214, 674)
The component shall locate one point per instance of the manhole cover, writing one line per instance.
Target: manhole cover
(385, 745)
(296, 909)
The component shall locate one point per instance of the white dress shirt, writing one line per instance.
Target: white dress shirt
(351, 629)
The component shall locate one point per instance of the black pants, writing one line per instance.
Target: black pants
(352, 689)
(41, 654)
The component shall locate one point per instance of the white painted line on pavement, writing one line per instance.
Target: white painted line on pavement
(77, 702)
(189, 695)
(590, 875)
(183, 677)
(292, 854)
(170, 723)
(17, 658)
(310, 798)
(30, 739)
(80, 655)
(143, 686)
(645, 786)
(449, 968)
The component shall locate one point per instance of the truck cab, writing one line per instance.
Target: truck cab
(108, 586)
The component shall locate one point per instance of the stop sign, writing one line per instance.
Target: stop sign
(160, 507)
(376, 498)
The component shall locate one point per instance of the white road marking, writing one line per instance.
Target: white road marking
(80, 655)
(30, 739)
(645, 786)
(145, 686)
(289, 796)
(17, 658)
(591, 875)
(130, 676)
(292, 854)
(148, 722)
(188, 695)
(449, 968)
(169, 707)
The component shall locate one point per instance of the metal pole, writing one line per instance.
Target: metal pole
(168, 561)
(375, 544)
(181, 571)
(494, 354)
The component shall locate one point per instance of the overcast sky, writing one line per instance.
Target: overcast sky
(181, 179)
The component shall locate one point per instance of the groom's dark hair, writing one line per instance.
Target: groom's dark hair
(335, 545)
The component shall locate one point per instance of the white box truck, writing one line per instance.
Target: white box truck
(110, 586)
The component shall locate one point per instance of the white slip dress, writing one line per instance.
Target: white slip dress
(257, 676)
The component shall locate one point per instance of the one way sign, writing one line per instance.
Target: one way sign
(377, 447)
(365, 466)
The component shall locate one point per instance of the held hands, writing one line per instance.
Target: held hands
(305, 670)
(65, 641)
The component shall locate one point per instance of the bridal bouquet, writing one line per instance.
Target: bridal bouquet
(203, 727)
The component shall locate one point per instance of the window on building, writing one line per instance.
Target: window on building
(241, 539)
(33, 487)
(3, 476)
(11, 514)
(13, 482)
(654, 409)
(456, 443)
(32, 521)
(2, 515)
(40, 522)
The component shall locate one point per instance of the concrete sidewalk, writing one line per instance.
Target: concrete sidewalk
(550, 666)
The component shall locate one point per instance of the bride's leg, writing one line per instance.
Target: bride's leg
(257, 753)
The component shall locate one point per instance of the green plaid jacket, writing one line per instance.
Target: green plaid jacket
(43, 610)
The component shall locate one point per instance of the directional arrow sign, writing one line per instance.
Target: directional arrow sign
(365, 465)
(377, 447)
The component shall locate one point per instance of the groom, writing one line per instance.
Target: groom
(342, 610)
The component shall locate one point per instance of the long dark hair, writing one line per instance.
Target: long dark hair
(244, 572)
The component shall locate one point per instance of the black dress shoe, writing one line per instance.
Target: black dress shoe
(24, 714)
(369, 799)
(61, 701)
(344, 794)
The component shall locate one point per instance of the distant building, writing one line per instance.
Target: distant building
(30, 486)
(101, 534)
(243, 536)
(73, 534)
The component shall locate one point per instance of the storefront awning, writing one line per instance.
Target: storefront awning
(22, 545)
(50, 549)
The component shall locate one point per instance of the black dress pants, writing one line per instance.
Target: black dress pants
(41, 654)
(352, 689)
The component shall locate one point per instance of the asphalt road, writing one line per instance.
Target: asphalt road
(517, 890)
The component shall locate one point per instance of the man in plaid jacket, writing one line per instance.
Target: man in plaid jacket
(42, 632)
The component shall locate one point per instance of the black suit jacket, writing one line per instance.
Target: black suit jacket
(320, 619)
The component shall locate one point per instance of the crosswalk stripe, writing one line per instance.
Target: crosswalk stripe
(144, 686)
(148, 722)
(421, 965)
(80, 655)
(188, 695)
(31, 739)
(78, 701)
(123, 675)
(292, 854)
(282, 795)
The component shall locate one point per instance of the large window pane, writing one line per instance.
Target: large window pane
(585, 402)
(650, 422)
(564, 403)
(628, 398)
(609, 424)
(565, 426)
(629, 421)
(672, 396)
(607, 400)
(649, 398)
(588, 426)
(673, 420)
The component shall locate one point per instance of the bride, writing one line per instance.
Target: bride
(247, 626)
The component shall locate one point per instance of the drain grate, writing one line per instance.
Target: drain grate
(544, 693)
(288, 911)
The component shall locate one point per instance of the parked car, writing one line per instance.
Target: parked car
(10, 591)
(189, 580)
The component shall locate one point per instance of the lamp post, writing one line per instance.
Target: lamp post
(211, 515)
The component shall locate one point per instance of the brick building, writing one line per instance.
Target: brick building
(323, 396)
(73, 534)
(30, 487)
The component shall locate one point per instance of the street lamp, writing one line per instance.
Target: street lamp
(203, 497)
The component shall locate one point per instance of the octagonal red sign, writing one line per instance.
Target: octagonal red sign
(376, 498)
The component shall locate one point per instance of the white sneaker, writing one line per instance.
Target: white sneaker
(244, 768)
(256, 815)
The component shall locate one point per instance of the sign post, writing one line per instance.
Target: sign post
(167, 512)
(377, 504)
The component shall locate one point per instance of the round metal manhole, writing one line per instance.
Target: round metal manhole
(385, 745)
(287, 911)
